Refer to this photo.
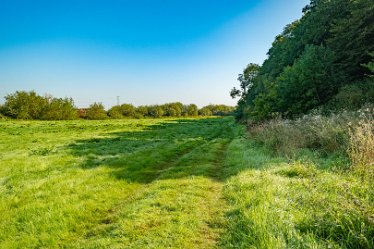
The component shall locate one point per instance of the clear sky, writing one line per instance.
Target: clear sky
(145, 51)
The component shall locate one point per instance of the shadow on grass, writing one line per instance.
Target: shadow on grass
(170, 150)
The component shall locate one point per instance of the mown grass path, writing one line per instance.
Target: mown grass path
(170, 183)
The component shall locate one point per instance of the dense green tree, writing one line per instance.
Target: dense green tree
(216, 110)
(24, 105)
(352, 38)
(128, 110)
(205, 111)
(173, 109)
(307, 84)
(96, 111)
(29, 105)
(311, 61)
(115, 112)
(141, 111)
(156, 111)
(59, 109)
(2, 111)
(192, 110)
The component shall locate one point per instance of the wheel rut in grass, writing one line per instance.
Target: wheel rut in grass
(216, 171)
(178, 202)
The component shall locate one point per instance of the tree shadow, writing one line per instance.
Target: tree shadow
(170, 150)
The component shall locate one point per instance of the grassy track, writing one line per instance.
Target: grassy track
(184, 183)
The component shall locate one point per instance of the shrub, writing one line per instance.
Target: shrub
(128, 110)
(59, 109)
(2, 112)
(96, 111)
(29, 105)
(192, 110)
(354, 96)
(205, 111)
(115, 112)
(25, 105)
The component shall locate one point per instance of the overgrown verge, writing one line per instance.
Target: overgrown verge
(347, 134)
(303, 183)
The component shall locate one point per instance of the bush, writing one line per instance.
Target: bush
(2, 112)
(127, 110)
(192, 110)
(25, 105)
(59, 109)
(96, 111)
(205, 111)
(115, 112)
(354, 96)
(216, 110)
(29, 105)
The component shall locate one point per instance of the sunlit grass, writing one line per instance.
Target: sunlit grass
(183, 183)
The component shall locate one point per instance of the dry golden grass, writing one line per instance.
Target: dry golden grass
(361, 143)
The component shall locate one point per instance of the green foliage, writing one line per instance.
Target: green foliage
(115, 112)
(141, 111)
(124, 110)
(96, 111)
(311, 61)
(205, 111)
(59, 109)
(246, 81)
(29, 105)
(2, 111)
(156, 111)
(192, 110)
(352, 38)
(24, 105)
(128, 110)
(354, 96)
(308, 83)
(173, 109)
(370, 65)
(217, 110)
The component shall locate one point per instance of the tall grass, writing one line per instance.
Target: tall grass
(361, 143)
(346, 133)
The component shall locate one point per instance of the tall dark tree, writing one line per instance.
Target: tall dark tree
(311, 61)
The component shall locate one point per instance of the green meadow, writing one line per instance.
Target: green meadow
(173, 183)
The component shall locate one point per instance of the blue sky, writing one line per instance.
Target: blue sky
(145, 51)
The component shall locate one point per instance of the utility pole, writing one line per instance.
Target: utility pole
(117, 100)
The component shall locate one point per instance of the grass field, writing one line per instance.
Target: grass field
(172, 183)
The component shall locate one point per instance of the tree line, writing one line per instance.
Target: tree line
(30, 105)
(322, 61)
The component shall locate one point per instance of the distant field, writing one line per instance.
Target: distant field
(171, 183)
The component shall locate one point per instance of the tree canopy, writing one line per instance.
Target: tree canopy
(311, 62)
(30, 105)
